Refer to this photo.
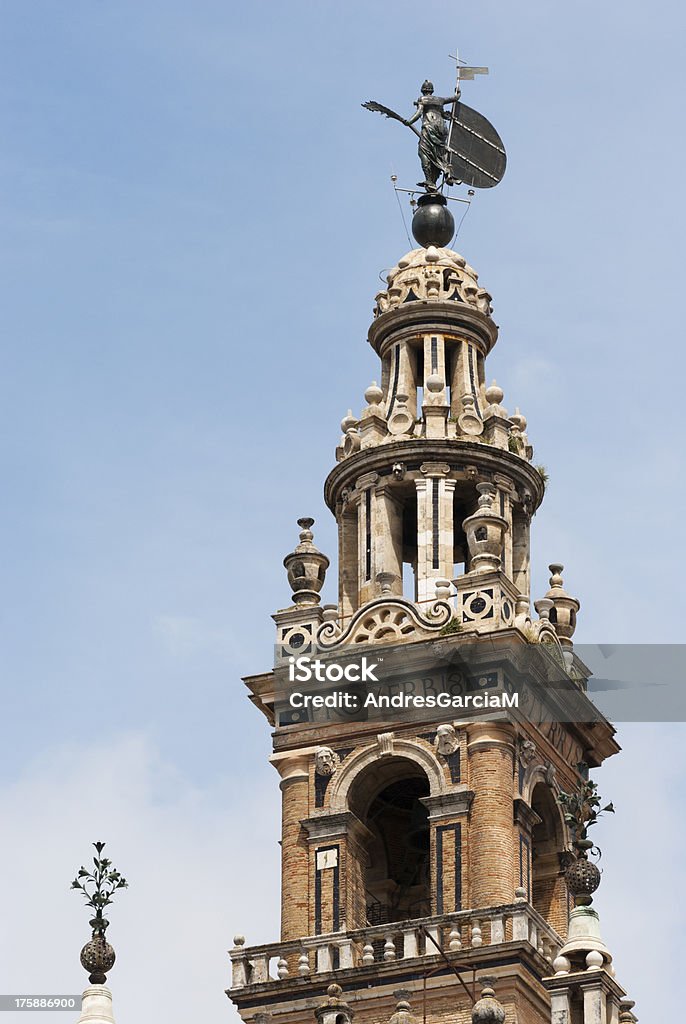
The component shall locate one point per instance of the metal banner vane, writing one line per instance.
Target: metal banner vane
(457, 146)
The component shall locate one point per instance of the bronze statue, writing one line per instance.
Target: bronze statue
(433, 138)
(455, 141)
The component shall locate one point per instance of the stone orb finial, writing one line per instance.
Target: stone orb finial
(488, 1010)
(434, 383)
(334, 992)
(373, 394)
(494, 394)
(239, 940)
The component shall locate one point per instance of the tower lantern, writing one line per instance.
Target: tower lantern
(424, 837)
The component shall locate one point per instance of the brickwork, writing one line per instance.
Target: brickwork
(491, 878)
(295, 889)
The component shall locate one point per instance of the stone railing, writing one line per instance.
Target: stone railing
(403, 940)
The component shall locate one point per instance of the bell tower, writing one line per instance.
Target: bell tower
(431, 865)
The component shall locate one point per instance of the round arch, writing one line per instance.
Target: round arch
(354, 765)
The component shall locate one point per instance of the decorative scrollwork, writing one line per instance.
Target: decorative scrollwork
(386, 620)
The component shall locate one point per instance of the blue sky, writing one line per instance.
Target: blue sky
(195, 211)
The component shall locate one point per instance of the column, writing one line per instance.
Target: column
(434, 529)
(295, 779)
(490, 749)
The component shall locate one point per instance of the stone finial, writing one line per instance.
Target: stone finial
(403, 1011)
(485, 532)
(98, 887)
(334, 1010)
(488, 1010)
(373, 395)
(564, 608)
(306, 567)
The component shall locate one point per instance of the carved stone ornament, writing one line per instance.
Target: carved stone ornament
(385, 741)
(527, 751)
(326, 761)
(433, 274)
(446, 742)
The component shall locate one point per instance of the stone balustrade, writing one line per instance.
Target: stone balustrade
(404, 940)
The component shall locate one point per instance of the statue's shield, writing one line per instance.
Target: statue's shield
(475, 150)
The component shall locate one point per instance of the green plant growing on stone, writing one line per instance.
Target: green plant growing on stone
(514, 444)
(543, 473)
(453, 626)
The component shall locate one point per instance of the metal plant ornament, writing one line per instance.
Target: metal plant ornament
(98, 887)
(582, 809)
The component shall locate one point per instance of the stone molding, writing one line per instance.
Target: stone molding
(355, 764)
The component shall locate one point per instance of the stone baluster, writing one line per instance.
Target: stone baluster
(282, 968)
(477, 938)
(367, 953)
(455, 938)
(304, 964)
(389, 948)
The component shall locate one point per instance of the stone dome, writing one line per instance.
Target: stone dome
(432, 274)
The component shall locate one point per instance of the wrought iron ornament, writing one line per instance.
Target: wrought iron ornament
(457, 145)
(98, 887)
(581, 809)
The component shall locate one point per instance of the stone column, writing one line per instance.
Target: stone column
(295, 778)
(387, 536)
(434, 528)
(520, 551)
(367, 570)
(348, 572)
(490, 750)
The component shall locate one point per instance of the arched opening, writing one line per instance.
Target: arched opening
(387, 798)
(547, 844)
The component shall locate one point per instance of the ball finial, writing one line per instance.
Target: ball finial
(433, 223)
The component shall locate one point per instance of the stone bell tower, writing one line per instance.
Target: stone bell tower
(428, 868)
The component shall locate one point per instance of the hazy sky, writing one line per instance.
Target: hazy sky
(195, 212)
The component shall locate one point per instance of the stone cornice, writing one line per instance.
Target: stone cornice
(420, 450)
(448, 318)
(449, 805)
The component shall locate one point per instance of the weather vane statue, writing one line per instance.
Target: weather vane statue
(457, 145)
(98, 887)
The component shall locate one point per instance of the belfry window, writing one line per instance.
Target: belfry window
(388, 800)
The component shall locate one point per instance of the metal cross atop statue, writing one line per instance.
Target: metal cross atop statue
(457, 145)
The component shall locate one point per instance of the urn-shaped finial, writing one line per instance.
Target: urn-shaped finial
(485, 532)
(98, 887)
(564, 611)
(306, 567)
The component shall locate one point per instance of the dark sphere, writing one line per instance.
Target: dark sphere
(433, 223)
(583, 878)
(97, 957)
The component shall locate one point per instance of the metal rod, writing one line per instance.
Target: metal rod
(416, 191)
(452, 967)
